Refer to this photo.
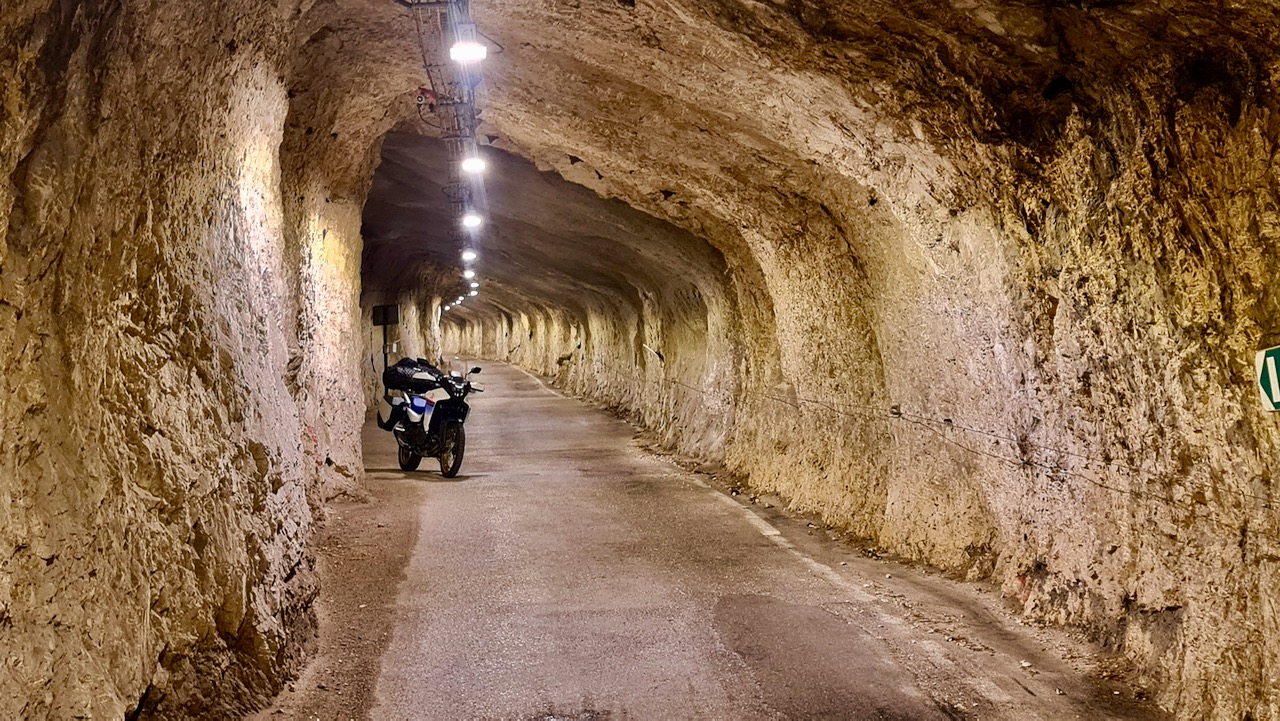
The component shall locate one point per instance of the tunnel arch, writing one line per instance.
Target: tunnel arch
(977, 283)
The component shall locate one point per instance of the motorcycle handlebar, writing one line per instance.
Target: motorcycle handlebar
(454, 387)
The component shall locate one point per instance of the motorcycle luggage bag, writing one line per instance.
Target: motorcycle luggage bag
(400, 377)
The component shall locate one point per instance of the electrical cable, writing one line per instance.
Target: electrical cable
(495, 42)
(451, 95)
(1051, 470)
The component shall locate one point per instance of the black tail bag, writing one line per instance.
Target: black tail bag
(400, 377)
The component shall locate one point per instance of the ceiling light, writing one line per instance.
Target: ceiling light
(473, 164)
(474, 292)
(468, 255)
(447, 307)
(475, 285)
(471, 220)
(468, 274)
(468, 51)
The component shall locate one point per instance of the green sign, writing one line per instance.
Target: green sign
(1268, 379)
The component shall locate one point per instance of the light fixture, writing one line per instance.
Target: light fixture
(473, 164)
(468, 255)
(475, 292)
(468, 51)
(475, 285)
(468, 274)
(447, 307)
(471, 220)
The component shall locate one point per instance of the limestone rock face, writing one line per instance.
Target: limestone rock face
(179, 342)
(982, 282)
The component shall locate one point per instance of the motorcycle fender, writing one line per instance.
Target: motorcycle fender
(446, 412)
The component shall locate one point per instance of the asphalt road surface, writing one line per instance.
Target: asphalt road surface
(569, 573)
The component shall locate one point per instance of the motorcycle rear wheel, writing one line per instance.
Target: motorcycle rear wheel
(455, 443)
(408, 459)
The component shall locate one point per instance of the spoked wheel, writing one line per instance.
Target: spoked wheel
(455, 442)
(408, 459)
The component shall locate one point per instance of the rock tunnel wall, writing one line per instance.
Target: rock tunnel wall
(179, 338)
(662, 364)
(978, 281)
(998, 275)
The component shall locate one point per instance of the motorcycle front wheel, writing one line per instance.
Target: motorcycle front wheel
(455, 443)
(408, 459)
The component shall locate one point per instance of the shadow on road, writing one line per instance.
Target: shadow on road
(427, 477)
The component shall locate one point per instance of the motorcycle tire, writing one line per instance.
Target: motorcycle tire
(455, 443)
(408, 459)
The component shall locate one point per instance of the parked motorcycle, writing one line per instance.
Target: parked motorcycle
(428, 414)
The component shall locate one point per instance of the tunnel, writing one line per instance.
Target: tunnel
(985, 286)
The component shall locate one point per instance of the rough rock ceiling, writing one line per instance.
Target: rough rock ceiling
(546, 242)
(1049, 223)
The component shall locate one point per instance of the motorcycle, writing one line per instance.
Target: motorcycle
(427, 417)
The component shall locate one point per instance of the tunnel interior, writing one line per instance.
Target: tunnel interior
(980, 283)
(563, 276)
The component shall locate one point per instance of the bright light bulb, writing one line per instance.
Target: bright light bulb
(447, 307)
(475, 292)
(471, 220)
(475, 285)
(468, 51)
(468, 274)
(468, 255)
(473, 165)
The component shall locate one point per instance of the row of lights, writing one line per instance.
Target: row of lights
(466, 52)
(470, 221)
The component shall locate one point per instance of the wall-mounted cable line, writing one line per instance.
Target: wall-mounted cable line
(893, 415)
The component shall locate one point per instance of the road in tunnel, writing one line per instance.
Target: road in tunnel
(570, 572)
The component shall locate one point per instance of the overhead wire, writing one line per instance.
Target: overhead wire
(450, 95)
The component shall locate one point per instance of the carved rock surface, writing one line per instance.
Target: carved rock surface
(988, 281)
(980, 281)
(179, 341)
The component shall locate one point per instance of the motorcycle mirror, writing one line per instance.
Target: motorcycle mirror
(475, 370)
